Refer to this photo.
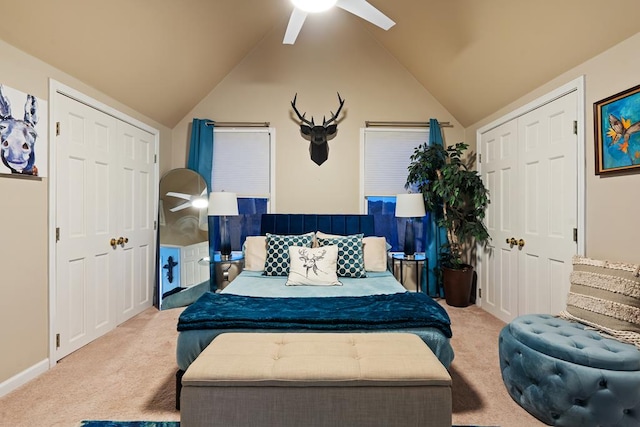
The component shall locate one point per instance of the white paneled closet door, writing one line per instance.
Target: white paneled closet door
(105, 189)
(529, 165)
(136, 211)
(500, 265)
(548, 204)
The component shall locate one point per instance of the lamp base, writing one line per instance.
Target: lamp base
(225, 241)
(409, 240)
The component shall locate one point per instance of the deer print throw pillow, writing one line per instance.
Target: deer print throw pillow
(313, 266)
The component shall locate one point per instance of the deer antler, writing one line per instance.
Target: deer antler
(321, 256)
(304, 255)
(334, 116)
(301, 117)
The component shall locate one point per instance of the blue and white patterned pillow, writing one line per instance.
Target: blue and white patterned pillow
(350, 254)
(277, 262)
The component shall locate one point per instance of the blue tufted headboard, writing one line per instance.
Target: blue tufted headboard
(305, 223)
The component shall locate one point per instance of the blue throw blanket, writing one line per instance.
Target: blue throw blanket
(372, 312)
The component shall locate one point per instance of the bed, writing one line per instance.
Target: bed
(263, 299)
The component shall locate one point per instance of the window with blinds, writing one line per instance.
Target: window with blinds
(386, 155)
(243, 163)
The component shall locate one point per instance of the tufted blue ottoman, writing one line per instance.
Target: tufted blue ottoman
(567, 376)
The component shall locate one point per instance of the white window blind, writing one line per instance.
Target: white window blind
(387, 155)
(242, 162)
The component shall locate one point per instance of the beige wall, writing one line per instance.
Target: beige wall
(612, 202)
(261, 87)
(24, 306)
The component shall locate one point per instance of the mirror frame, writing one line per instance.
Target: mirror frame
(183, 239)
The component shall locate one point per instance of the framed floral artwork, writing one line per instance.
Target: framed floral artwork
(617, 132)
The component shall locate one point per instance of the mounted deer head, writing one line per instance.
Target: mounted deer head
(318, 135)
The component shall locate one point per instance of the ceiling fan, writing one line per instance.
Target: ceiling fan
(360, 8)
(198, 201)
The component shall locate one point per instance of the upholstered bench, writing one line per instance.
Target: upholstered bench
(567, 375)
(316, 379)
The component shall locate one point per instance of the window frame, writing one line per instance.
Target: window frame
(270, 197)
(422, 137)
(363, 158)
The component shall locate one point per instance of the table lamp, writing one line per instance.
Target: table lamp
(223, 204)
(409, 206)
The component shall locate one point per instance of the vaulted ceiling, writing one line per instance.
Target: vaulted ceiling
(161, 57)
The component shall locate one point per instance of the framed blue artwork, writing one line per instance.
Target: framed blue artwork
(23, 132)
(617, 132)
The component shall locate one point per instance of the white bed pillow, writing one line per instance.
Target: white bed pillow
(321, 235)
(313, 266)
(375, 253)
(255, 253)
(374, 249)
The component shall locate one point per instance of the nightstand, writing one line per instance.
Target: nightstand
(225, 270)
(404, 263)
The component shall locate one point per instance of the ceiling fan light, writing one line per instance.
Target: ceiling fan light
(199, 202)
(313, 6)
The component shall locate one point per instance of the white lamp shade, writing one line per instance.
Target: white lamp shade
(410, 205)
(223, 204)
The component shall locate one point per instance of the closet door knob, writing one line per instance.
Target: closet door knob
(512, 241)
(122, 240)
(520, 243)
(113, 243)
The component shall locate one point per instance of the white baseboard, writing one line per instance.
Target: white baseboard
(24, 377)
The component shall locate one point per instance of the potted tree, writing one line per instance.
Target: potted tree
(458, 199)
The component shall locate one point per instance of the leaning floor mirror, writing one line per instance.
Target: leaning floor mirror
(183, 261)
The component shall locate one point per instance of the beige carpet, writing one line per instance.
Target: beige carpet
(129, 375)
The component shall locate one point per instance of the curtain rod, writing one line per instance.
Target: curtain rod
(405, 124)
(367, 124)
(239, 124)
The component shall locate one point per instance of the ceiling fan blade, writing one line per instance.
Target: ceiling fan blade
(180, 207)
(366, 11)
(179, 195)
(295, 24)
